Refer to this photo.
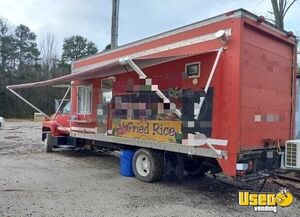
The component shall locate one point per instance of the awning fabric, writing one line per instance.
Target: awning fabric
(108, 68)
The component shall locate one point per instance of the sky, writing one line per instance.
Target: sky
(137, 20)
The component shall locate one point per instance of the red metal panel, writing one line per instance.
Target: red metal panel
(226, 116)
(266, 88)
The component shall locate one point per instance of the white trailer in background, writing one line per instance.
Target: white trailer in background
(1, 122)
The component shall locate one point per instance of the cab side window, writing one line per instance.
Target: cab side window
(84, 99)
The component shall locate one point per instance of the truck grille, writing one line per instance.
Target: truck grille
(291, 154)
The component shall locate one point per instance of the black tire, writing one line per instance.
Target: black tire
(49, 143)
(154, 170)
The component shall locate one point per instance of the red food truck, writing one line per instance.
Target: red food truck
(215, 95)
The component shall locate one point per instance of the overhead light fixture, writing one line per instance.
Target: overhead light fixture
(261, 19)
(290, 34)
(124, 60)
(221, 35)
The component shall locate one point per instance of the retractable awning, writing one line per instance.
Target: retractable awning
(101, 66)
(105, 69)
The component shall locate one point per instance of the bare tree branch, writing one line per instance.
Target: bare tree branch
(270, 20)
(289, 7)
(284, 6)
(48, 48)
(280, 8)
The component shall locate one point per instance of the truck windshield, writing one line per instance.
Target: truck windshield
(67, 108)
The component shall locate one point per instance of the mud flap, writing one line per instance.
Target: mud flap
(173, 166)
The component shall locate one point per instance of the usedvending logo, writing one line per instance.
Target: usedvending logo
(265, 201)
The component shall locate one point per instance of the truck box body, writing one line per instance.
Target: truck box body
(249, 102)
(252, 86)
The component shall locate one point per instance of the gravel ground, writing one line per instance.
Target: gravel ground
(68, 183)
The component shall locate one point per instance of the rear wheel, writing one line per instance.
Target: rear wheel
(147, 165)
(49, 143)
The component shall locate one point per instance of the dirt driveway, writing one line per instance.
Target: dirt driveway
(65, 183)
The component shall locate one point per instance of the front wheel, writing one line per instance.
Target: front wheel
(49, 143)
(147, 165)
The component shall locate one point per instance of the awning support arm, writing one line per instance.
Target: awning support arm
(34, 107)
(26, 101)
(212, 72)
(62, 101)
(134, 66)
(142, 75)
